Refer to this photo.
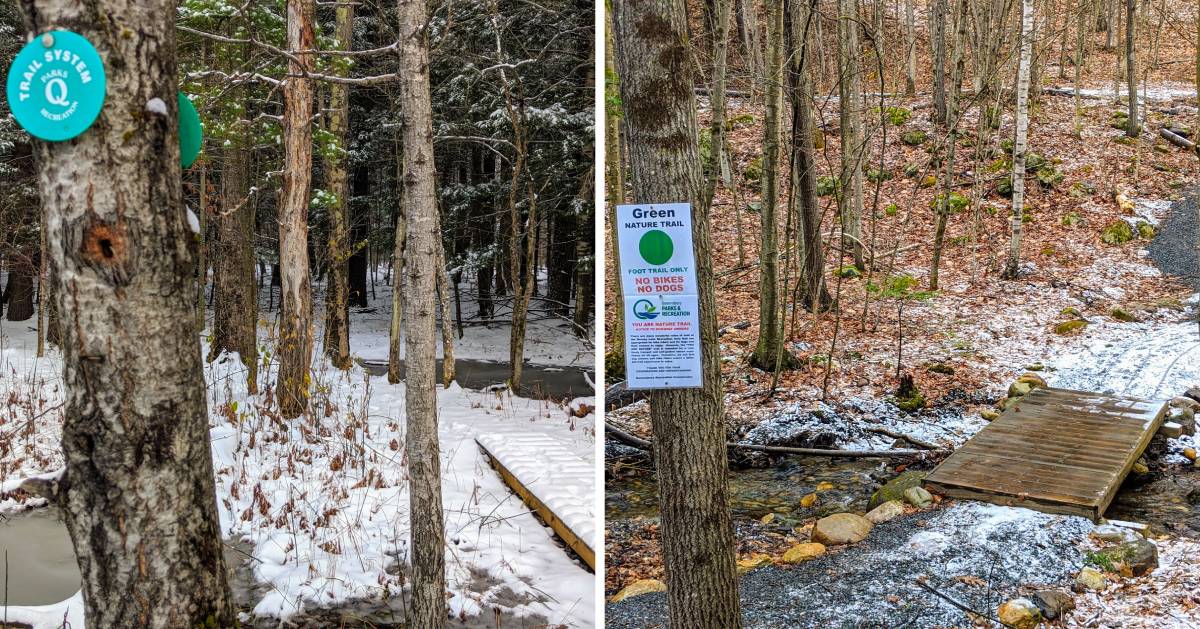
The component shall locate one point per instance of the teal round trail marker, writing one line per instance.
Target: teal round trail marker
(191, 134)
(56, 86)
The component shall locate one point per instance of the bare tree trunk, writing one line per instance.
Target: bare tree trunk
(19, 292)
(768, 350)
(137, 491)
(1133, 127)
(850, 197)
(202, 250)
(1081, 34)
(1020, 145)
(443, 295)
(811, 287)
(952, 118)
(910, 44)
(337, 289)
(938, 21)
(235, 303)
(295, 318)
(747, 13)
(398, 286)
(420, 277)
(614, 339)
(660, 108)
(41, 291)
(522, 288)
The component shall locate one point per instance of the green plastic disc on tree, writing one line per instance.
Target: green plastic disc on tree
(191, 135)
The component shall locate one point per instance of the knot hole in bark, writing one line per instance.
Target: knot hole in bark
(103, 245)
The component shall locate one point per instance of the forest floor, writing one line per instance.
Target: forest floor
(964, 344)
(315, 510)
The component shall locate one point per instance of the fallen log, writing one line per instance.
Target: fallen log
(643, 444)
(1176, 139)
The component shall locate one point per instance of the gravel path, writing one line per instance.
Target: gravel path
(874, 583)
(1174, 248)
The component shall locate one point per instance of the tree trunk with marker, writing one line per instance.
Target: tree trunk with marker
(137, 492)
(655, 65)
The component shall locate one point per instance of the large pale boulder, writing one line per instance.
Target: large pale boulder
(803, 552)
(886, 511)
(841, 528)
(1020, 613)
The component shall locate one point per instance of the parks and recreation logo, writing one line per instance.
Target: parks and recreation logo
(644, 310)
(56, 86)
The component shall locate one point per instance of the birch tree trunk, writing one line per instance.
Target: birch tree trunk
(770, 324)
(295, 317)
(1021, 143)
(420, 304)
(337, 292)
(137, 493)
(660, 109)
(850, 197)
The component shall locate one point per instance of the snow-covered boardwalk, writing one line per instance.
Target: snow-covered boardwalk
(556, 483)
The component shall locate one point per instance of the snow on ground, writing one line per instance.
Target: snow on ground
(1160, 91)
(324, 499)
(978, 554)
(1167, 597)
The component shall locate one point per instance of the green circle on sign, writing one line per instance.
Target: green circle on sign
(56, 86)
(191, 135)
(656, 247)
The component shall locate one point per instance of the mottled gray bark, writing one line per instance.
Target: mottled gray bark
(137, 494)
(419, 277)
(654, 61)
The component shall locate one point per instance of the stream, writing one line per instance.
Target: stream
(874, 583)
(538, 382)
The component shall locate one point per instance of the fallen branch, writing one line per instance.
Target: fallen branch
(896, 435)
(853, 454)
(644, 444)
(626, 438)
(925, 586)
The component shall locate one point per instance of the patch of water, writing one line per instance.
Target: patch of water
(41, 567)
(839, 485)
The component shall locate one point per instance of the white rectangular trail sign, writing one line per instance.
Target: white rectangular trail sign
(662, 311)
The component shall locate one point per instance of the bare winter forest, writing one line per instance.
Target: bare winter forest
(313, 369)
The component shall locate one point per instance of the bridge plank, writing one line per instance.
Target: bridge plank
(1056, 450)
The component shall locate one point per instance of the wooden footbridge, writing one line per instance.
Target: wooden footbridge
(1055, 450)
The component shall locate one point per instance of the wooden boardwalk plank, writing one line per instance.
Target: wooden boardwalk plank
(1056, 450)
